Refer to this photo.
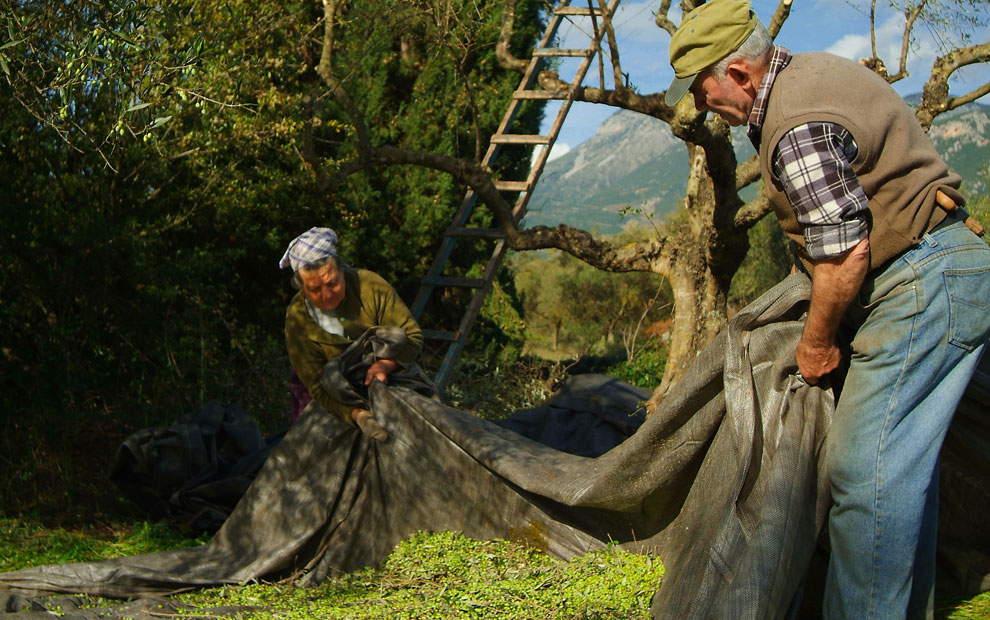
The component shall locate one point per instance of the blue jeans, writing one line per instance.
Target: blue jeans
(921, 326)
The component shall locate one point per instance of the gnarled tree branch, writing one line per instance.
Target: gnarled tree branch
(935, 97)
(613, 47)
(645, 256)
(748, 172)
(653, 255)
(331, 9)
(873, 29)
(971, 96)
(625, 98)
(752, 212)
(911, 15)
(663, 22)
(506, 59)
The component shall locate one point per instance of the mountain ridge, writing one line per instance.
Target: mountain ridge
(633, 166)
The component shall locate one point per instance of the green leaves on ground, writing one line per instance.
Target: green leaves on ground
(446, 575)
(443, 575)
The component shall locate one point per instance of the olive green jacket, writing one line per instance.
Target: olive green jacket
(369, 301)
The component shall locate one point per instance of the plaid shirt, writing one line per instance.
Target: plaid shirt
(812, 163)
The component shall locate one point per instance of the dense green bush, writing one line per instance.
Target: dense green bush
(646, 370)
(155, 160)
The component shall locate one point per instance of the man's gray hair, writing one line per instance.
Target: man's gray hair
(756, 47)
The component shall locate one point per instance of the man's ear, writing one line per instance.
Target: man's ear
(742, 75)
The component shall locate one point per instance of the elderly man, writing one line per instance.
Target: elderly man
(857, 186)
(335, 306)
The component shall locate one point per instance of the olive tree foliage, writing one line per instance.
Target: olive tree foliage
(60, 58)
(699, 253)
(543, 290)
(146, 145)
(157, 157)
(445, 79)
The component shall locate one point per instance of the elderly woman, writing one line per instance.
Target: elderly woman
(334, 307)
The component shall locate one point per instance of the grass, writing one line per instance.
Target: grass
(24, 542)
(976, 608)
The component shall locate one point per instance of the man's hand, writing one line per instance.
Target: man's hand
(815, 362)
(380, 370)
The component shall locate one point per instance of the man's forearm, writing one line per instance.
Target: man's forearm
(836, 284)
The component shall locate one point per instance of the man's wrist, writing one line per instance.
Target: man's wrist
(816, 341)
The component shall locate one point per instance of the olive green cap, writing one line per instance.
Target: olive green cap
(707, 35)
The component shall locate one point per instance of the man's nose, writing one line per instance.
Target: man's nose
(699, 102)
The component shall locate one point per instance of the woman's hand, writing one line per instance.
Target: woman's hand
(380, 370)
(369, 425)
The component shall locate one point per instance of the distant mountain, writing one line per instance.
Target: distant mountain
(962, 137)
(633, 160)
(634, 163)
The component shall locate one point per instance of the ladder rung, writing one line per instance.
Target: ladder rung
(449, 281)
(512, 186)
(578, 11)
(540, 94)
(482, 233)
(559, 52)
(519, 138)
(437, 334)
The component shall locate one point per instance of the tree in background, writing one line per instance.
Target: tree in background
(567, 301)
(157, 157)
(767, 262)
(543, 290)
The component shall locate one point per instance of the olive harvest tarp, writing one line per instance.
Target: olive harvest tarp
(724, 482)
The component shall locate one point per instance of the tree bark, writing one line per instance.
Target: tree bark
(935, 98)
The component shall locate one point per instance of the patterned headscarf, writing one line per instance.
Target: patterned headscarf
(313, 245)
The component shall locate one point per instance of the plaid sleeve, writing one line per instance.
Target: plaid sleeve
(812, 162)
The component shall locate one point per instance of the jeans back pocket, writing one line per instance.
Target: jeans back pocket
(969, 306)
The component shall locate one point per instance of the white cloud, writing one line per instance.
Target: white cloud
(851, 46)
(559, 150)
(889, 34)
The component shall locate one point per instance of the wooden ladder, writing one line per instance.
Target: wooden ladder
(454, 341)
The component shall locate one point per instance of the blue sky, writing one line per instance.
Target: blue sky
(837, 26)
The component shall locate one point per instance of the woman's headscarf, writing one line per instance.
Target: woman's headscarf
(313, 245)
